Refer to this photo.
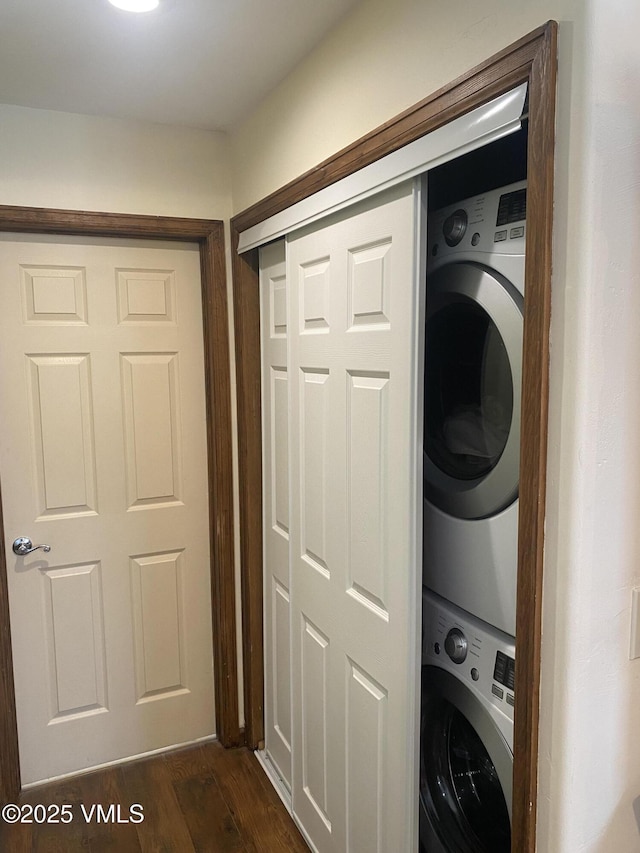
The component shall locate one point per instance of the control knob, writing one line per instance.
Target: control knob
(456, 645)
(454, 227)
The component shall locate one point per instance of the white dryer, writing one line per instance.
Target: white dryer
(466, 747)
(472, 389)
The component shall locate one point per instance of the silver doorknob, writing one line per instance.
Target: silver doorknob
(23, 546)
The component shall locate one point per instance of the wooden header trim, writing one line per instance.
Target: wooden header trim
(491, 78)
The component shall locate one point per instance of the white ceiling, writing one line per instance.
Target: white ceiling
(200, 63)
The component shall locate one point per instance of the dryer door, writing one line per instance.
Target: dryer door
(473, 367)
(466, 769)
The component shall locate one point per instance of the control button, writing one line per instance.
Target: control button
(500, 236)
(475, 674)
(511, 699)
(436, 648)
(475, 239)
(454, 227)
(516, 232)
(456, 645)
(497, 691)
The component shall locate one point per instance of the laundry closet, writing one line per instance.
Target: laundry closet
(343, 311)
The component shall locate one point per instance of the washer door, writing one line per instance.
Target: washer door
(473, 369)
(466, 769)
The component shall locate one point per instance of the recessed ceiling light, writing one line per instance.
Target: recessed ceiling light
(135, 5)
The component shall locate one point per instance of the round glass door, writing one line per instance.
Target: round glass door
(461, 788)
(473, 358)
(468, 391)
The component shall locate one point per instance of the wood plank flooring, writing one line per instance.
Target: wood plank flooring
(203, 799)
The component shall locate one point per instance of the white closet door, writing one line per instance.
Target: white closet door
(275, 463)
(353, 315)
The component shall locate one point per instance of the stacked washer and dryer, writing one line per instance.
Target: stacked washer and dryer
(473, 366)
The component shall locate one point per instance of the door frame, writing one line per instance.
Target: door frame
(532, 59)
(209, 234)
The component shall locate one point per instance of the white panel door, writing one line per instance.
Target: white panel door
(103, 457)
(354, 309)
(275, 465)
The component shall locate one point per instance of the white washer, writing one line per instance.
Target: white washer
(473, 369)
(466, 761)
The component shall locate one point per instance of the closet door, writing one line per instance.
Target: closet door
(353, 376)
(275, 465)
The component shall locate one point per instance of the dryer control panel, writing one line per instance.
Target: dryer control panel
(492, 222)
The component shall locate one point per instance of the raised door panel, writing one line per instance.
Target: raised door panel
(366, 780)
(314, 413)
(279, 455)
(158, 625)
(75, 640)
(54, 295)
(61, 421)
(150, 392)
(314, 744)
(367, 492)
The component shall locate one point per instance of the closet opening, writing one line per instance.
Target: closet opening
(475, 301)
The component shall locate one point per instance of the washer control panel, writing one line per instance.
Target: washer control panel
(478, 654)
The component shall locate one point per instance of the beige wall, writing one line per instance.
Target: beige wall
(52, 159)
(386, 56)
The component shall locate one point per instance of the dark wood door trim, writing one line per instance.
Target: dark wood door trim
(533, 446)
(209, 234)
(531, 59)
(246, 314)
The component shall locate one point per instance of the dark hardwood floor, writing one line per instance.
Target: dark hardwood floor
(203, 799)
